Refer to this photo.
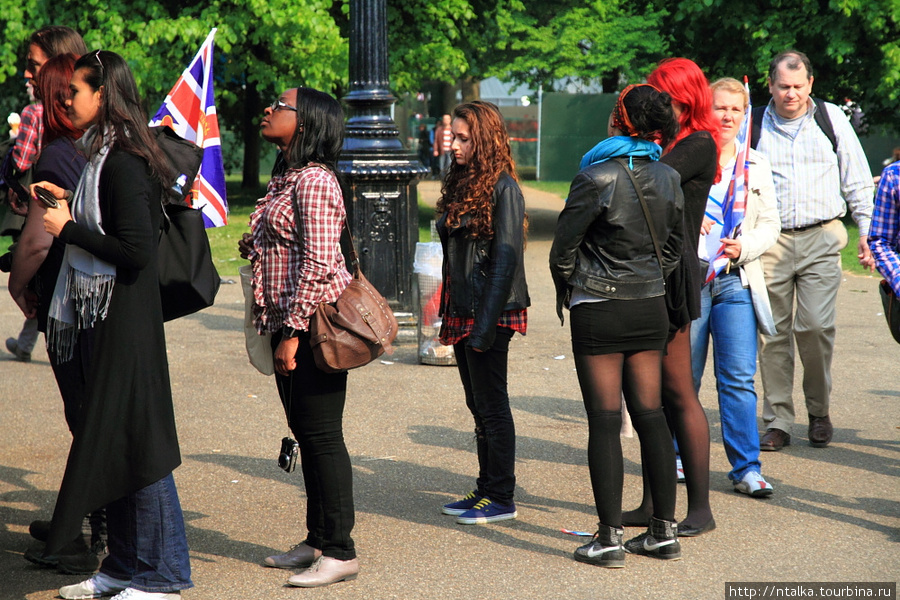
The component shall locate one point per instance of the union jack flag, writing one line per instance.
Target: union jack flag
(735, 201)
(190, 111)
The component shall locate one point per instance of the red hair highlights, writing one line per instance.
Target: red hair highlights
(53, 87)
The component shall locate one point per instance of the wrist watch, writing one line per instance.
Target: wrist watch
(289, 332)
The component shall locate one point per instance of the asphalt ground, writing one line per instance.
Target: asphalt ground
(834, 515)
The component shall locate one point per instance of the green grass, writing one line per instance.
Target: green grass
(849, 260)
(560, 188)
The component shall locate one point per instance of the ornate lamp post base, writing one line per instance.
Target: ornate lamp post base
(382, 204)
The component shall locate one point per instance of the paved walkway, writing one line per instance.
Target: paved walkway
(834, 516)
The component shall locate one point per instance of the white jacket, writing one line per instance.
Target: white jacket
(759, 232)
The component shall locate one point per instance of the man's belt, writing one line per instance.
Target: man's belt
(807, 227)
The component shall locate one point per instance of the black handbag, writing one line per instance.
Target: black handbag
(891, 308)
(188, 280)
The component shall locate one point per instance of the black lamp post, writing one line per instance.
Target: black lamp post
(381, 197)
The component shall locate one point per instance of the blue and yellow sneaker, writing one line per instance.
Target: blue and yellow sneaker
(461, 506)
(487, 511)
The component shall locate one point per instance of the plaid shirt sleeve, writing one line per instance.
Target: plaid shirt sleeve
(319, 215)
(884, 236)
(28, 142)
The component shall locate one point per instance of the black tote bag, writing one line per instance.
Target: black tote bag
(188, 280)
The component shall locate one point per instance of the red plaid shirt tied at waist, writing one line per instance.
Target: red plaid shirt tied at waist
(456, 329)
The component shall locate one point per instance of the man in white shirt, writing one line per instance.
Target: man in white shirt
(817, 177)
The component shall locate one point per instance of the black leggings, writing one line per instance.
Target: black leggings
(314, 404)
(603, 379)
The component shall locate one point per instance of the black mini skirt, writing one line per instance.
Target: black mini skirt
(613, 326)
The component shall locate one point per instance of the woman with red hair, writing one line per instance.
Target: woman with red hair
(694, 154)
(37, 260)
(37, 254)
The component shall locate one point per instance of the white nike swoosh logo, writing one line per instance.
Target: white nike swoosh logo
(592, 553)
(648, 546)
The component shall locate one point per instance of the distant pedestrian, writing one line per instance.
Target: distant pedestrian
(485, 297)
(424, 146)
(441, 147)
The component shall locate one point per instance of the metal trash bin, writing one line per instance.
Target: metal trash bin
(427, 266)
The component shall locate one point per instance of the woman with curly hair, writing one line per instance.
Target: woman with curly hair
(694, 154)
(618, 237)
(484, 298)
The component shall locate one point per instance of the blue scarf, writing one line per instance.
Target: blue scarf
(620, 145)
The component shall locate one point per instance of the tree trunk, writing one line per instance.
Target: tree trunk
(470, 88)
(448, 95)
(610, 81)
(252, 111)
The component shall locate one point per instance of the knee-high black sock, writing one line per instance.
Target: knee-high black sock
(658, 456)
(605, 463)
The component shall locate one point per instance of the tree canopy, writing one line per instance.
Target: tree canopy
(265, 46)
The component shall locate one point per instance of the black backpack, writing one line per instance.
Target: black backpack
(184, 158)
(821, 117)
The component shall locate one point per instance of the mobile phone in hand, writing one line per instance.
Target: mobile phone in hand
(46, 197)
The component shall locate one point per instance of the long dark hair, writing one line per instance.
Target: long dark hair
(121, 114)
(319, 135)
(469, 188)
(53, 84)
(58, 39)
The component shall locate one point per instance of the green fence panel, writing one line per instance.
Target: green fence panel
(570, 126)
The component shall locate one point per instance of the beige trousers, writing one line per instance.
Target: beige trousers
(803, 274)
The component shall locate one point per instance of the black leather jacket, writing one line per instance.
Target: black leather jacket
(602, 241)
(487, 277)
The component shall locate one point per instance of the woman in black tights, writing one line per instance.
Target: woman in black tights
(694, 155)
(617, 238)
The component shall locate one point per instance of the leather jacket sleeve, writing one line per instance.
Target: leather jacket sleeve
(581, 210)
(505, 255)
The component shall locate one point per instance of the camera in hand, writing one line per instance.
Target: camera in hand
(287, 459)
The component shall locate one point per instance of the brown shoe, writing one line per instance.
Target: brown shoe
(325, 571)
(774, 440)
(820, 431)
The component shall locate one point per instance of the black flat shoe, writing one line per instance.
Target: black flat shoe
(688, 531)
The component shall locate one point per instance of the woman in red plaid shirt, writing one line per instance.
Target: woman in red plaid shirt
(485, 297)
(294, 249)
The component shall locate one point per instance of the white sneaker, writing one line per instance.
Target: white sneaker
(753, 484)
(96, 587)
(679, 470)
(133, 594)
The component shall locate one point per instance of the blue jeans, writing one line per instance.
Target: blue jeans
(147, 543)
(727, 315)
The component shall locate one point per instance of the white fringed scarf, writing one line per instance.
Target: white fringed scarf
(85, 283)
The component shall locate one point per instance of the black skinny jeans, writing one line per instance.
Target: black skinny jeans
(314, 404)
(483, 377)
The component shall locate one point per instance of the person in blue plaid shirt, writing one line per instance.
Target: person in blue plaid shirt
(884, 236)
